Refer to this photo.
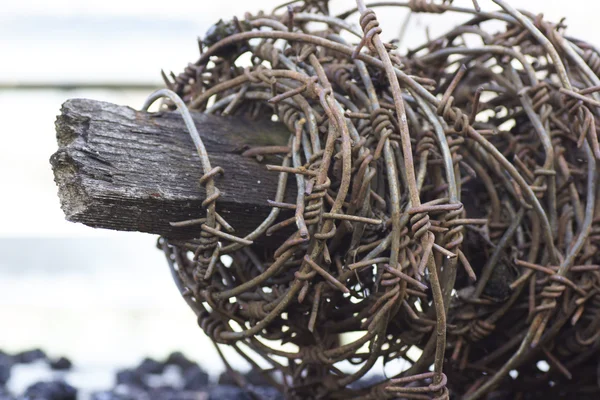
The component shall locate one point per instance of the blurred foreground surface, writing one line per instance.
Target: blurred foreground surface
(32, 375)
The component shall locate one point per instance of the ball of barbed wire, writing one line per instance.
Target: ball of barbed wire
(442, 208)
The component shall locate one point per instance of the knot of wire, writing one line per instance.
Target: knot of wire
(443, 213)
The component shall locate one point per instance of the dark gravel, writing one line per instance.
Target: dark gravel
(56, 390)
(267, 393)
(143, 382)
(6, 363)
(150, 366)
(195, 378)
(223, 392)
(256, 378)
(110, 395)
(178, 359)
(131, 377)
(366, 382)
(60, 364)
(4, 395)
(29, 356)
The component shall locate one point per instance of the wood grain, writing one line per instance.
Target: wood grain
(122, 169)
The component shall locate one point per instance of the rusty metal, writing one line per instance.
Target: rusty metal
(445, 201)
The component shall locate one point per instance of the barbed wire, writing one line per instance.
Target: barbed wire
(444, 200)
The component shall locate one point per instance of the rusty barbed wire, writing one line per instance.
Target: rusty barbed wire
(445, 209)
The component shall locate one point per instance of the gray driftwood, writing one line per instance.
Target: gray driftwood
(127, 170)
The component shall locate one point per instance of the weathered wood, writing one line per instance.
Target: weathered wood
(122, 169)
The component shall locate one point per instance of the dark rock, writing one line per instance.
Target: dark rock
(130, 377)
(252, 377)
(266, 393)
(169, 393)
(150, 366)
(61, 364)
(366, 382)
(256, 378)
(195, 378)
(163, 393)
(6, 357)
(5, 394)
(6, 363)
(4, 374)
(29, 356)
(57, 390)
(226, 379)
(225, 392)
(110, 395)
(132, 392)
(177, 358)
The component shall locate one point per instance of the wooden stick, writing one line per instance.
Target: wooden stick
(122, 169)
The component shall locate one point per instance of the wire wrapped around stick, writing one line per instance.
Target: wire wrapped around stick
(441, 204)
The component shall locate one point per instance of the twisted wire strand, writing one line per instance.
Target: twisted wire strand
(374, 236)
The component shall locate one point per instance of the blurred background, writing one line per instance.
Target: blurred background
(105, 299)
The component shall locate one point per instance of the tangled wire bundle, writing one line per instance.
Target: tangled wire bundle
(445, 200)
